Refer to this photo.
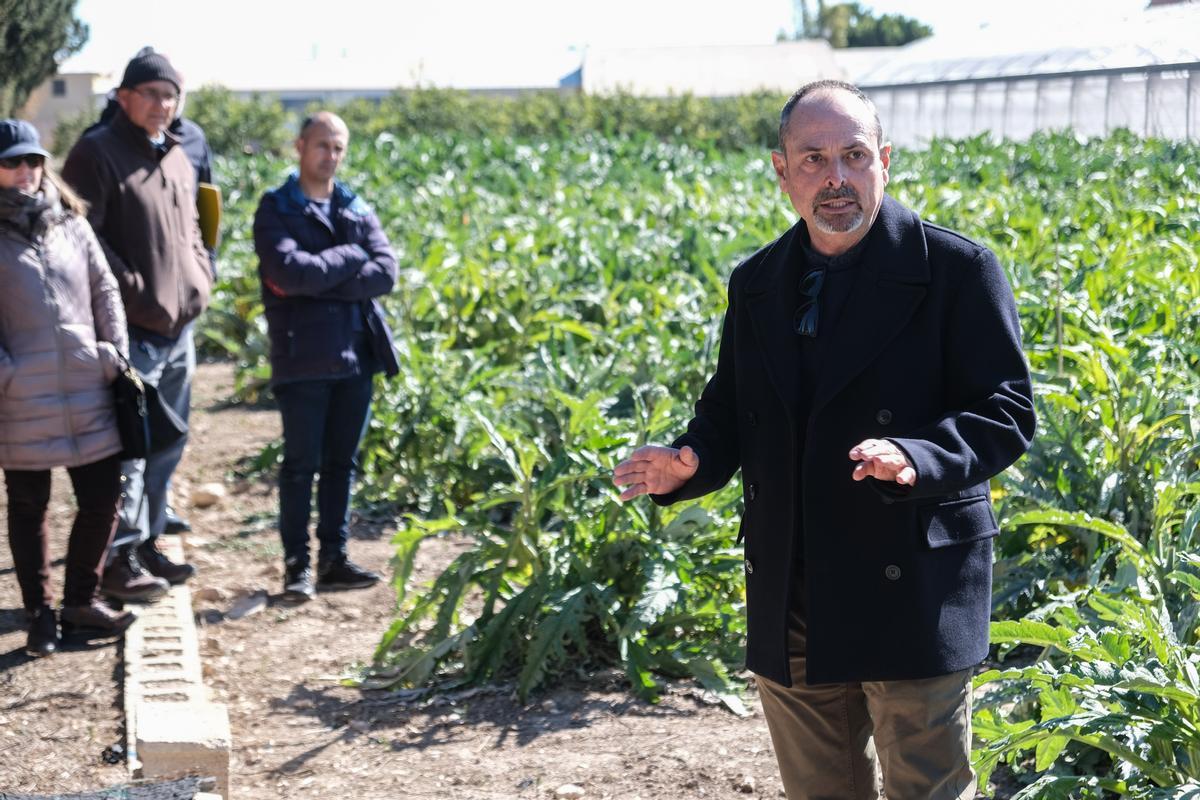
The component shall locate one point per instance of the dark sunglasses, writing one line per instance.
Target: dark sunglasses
(804, 321)
(32, 160)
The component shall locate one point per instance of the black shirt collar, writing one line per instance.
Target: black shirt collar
(847, 260)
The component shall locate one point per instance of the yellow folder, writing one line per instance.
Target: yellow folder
(208, 204)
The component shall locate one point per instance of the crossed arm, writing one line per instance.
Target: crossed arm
(347, 272)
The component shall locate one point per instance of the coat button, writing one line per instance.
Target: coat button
(884, 417)
(752, 491)
(749, 567)
(891, 572)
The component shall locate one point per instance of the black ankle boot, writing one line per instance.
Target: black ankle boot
(43, 633)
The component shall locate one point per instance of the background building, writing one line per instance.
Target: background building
(67, 94)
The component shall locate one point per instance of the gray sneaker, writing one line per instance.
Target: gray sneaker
(298, 584)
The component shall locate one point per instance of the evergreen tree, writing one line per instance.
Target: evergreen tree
(35, 37)
(854, 25)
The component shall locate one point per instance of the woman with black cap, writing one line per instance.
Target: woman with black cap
(62, 338)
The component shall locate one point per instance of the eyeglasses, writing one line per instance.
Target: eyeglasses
(31, 160)
(154, 96)
(804, 321)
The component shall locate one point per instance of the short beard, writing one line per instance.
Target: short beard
(842, 224)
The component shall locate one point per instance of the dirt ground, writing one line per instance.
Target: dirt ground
(298, 733)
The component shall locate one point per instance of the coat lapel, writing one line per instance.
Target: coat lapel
(895, 273)
(771, 299)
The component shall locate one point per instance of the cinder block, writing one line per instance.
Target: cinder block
(178, 739)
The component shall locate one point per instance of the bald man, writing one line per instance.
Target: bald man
(870, 382)
(323, 261)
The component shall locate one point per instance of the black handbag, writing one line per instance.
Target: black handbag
(145, 424)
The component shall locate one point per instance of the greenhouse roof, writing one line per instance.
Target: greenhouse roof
(1154, 37)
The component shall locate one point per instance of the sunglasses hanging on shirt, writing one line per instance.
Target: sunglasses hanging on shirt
(804, 321)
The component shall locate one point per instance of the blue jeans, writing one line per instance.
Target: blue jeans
(323, 424)
(170, 366)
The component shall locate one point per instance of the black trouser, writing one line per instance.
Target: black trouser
(97, 492)
(323, 424)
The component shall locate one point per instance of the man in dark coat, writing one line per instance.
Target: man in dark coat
(323, 259)
(194, 144)
(140, 185)
(870, 382)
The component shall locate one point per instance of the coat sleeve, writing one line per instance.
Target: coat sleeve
(288, 271)
(992, 420)
(204, 172)
(712, 431)
(85, 172)
(107, 309)
(377, 275)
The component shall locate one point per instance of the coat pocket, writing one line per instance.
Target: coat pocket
(958, 521)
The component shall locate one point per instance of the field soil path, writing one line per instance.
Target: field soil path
(299, 733)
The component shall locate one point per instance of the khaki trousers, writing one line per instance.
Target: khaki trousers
(900, 740)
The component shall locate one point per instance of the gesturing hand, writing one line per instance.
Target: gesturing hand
(654, 469)
(882, 460)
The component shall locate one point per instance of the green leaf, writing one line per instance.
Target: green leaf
(1048, 750)
(1082, 521)
(1031, 632)
(662, 592)
(713, 677)
(1056, 703)
(553, 632)
(1192, 582)
(1189, 790)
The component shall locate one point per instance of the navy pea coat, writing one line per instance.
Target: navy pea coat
(926, 353)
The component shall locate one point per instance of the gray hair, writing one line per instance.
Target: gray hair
(825, 85)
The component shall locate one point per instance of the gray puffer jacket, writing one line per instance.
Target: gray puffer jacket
(62, 326)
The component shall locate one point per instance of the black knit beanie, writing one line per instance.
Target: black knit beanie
(147, 67)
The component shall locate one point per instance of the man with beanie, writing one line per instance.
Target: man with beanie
(140, 188)
(194, 144)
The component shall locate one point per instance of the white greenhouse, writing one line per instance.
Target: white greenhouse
(1142, 73)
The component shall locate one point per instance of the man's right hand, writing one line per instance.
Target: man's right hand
(654, 469)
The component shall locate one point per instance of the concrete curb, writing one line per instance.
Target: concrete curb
(172, 727)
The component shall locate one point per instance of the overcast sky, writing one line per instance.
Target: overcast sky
(211, 38)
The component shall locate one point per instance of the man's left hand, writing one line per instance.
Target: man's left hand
(882, 460)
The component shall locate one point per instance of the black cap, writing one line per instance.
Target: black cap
(19, 138)
(149, 66)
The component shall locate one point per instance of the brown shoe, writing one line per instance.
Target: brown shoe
(160, 566)
(96, 619)
(126, 579)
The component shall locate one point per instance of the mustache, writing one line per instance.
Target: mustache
(840, 193)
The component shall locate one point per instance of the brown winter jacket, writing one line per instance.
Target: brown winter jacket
(61, 328)
(143, 210)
